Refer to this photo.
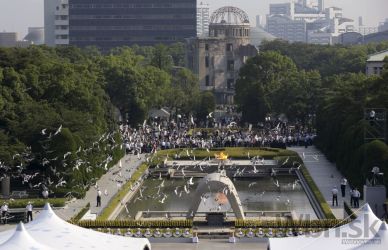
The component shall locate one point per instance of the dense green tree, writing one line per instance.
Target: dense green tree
(271, 83)
(205, 105)
(183, 95)
(161, 58)
(328, 60)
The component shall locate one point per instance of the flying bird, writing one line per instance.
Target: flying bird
(58, 130)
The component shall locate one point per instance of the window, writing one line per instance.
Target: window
(229, 47)
(230, 84)
(207, 80)
(207, 61)
(230, 66)
(206, 47)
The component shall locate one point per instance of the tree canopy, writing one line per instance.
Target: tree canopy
(327, 83)
(57, 106)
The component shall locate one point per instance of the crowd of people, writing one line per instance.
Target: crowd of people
(163, 134)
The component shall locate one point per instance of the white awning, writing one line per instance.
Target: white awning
(379, 242)
(56, 233)
(21, 240)
(348, 236)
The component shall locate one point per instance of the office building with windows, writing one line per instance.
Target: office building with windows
(49, 21)
(302, 21)
(203, 16)
(112, 23)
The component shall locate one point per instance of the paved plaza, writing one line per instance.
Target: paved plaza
(107, 182)
(212, 244)
(325, 175)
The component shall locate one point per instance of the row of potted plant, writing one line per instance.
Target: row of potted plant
(328, 223)
(149, 232)
(276, 232)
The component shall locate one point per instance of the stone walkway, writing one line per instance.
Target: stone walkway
(325, 175)
(107, 182)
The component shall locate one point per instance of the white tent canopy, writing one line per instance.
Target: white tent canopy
(21, 240)
(56, 233)
(344, 237)
(379, 241)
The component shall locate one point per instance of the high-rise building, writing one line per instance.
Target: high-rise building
(321, 5)
(49, 21)
(360, 21)
(203, 19)
(283, 27)
(8, 39)
(304, 22)
(259, 21)
(111, 23)
(383, 26)
(62, 23)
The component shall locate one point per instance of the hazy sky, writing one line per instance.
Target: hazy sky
(17, 15)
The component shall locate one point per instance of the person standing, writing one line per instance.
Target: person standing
(356, 198)
(334, 192)
(352, 196)
(29, 211)
(99, 198)
(344, 182)
(4, 212)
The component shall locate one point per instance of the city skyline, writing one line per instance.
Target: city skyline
(32, 11)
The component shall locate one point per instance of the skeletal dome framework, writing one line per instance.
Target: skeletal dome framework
(229, 15)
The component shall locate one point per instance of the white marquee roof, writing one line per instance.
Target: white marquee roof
(21, 240)
(379, 241)
(54, 232)
(334, 238)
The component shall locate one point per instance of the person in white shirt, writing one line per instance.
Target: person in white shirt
(29, 211)
(344, 182)
(356, 198)
(4, 212)
(99, 198)
(334, 192)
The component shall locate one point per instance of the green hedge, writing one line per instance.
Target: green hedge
(327, 223)
(80, 214)
(135, 223)
(116, 200)
(349, 211)
(22, 203)
(318, 195)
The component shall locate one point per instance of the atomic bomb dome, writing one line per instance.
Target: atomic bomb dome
(229, 21)
(217, 59)
(229, 15)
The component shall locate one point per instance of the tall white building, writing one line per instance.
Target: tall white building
(49, 21)
(203, 15)
(259, 21)
(62, 23)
